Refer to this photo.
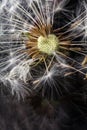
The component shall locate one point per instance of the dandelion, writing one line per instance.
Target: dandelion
(33, 50)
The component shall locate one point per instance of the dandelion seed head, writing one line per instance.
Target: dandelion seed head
(32, 48)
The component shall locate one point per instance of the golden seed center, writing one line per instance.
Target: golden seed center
(48, 44)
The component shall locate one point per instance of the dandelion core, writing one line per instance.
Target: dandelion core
(48, 44)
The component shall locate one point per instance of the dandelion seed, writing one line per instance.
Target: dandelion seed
(29, 42)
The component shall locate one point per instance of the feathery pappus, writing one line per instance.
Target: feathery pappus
(34, 50)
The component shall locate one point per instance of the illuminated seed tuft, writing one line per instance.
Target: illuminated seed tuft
(48, 44)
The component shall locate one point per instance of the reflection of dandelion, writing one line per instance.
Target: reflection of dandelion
(34, 51)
